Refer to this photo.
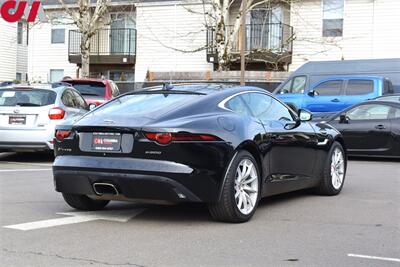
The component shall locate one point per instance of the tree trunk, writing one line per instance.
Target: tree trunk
(85, 56)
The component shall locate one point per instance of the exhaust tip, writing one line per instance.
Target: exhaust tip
(105, 189)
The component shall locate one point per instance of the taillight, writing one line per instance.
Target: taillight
(166, 138)
(62, 134)
(56, 114)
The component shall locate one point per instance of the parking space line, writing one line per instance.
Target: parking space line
(24, 170)
(373, 257)
(79, 217)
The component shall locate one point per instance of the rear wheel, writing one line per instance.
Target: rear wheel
(82, 202)
(240, 192)
(334, 172)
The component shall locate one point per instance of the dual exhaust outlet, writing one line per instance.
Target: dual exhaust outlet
(105, 189)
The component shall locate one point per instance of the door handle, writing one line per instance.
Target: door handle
(380, 127)
(335, 100)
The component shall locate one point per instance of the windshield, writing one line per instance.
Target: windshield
(145, 104)
(90, 88)
(26, 97)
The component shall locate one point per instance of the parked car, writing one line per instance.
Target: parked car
(315, 71)
(392, 97)
(334, 93)
(29, 114)
(224, 146)
(371, 128)
(95, 91)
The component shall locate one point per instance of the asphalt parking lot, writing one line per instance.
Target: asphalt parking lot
(360, 227)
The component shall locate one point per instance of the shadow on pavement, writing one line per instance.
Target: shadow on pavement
(33, 157)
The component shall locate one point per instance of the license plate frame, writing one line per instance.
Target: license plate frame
(17, 120)
(106, 142)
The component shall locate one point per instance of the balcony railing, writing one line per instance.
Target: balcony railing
(106, 42)
(272, 38)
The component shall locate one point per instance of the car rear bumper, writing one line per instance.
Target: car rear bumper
(142, 179)
(26, 140)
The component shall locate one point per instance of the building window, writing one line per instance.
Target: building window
(20, 32)
(18, 77)
(332, 18)
(56, 75)
(57, 36)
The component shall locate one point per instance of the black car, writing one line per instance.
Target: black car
(371, 128)
(220, 145)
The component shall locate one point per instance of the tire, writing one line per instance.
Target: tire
(227, 208)
(329, 185)
(82, 202)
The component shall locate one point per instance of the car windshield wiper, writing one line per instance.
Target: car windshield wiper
(166, 92)
(28, 105)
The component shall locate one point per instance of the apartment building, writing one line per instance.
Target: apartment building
(164, 36)
(13, 51)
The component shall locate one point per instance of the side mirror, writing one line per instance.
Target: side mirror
(312, 93)
(343, 118)
(304, 115)
(92, 106)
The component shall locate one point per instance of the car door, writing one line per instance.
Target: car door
(367, 129)
(293, 92)
(292, 154)
(325, 97)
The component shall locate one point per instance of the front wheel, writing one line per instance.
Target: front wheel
(240, 192)
(82, 202)
(334, 171)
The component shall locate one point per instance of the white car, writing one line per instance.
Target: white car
(29, 114)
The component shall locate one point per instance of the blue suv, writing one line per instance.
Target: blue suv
(332, 94)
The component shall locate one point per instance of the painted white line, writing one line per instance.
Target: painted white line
(27, 163)
(373, 257)
(25, 170)
(49, 223)
(78, 217)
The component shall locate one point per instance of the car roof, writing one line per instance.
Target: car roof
(85, 80)
(205, 88)
(56, 87)
(382, 98)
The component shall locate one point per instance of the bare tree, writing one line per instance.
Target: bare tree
(89, 19)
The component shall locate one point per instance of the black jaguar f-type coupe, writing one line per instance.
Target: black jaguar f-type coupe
(226, 146)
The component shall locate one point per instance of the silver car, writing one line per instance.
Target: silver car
(29, 114)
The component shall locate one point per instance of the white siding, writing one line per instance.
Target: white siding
(370, 30)
(22, 55)
(8, 50)
(44, 56)
(161, 29)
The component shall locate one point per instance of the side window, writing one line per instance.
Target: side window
(114, 89)
(237, 105)
(329, 88)
(80, 102)
(295, 85)
(387, 87)
(266, 108)
(369, 112)
(359, 87)
(395, 113)
(68, 99)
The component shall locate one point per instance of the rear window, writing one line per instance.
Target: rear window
(27, 97)
(90, 88)
(359, 87)
(145, 104)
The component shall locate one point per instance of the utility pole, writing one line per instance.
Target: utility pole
(242, 44)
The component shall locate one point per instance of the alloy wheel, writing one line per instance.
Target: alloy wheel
(337, 168)
(246, 186)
